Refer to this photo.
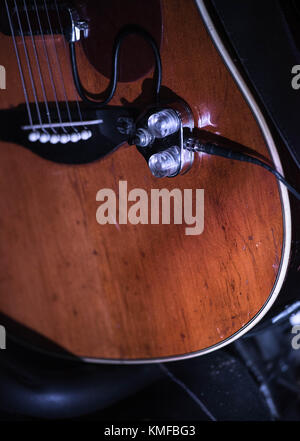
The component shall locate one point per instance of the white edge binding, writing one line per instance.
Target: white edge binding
(284, 202)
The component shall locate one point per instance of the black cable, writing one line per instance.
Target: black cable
(249, 359)
(186, 389)
(194, 144)
(129, 30)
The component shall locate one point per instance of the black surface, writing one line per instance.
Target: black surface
(265, 43)
(38, 386)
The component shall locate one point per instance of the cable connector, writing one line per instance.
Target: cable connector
(195, 145)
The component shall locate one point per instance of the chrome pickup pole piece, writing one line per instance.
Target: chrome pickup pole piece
(79, 28)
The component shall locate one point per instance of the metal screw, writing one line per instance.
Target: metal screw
(143, 138)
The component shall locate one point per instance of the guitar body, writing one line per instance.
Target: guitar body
(131, 293)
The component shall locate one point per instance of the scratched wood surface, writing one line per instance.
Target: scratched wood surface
(139, 291)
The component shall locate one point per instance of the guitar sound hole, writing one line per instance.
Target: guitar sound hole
(39, 14)
(105, 20)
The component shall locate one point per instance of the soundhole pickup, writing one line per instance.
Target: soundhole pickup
(37, 17)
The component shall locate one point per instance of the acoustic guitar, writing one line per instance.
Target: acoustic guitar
(130, 290)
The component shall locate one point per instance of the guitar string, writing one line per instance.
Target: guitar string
(29, 67)
(67, 54)
(38, 66)
(19, 65)
(59, 67)
(192, 395)
(50, 72)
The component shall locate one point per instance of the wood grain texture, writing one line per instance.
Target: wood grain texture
(140, 291)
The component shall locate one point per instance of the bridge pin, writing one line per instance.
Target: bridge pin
(34, 136)
(75, 137)
(45, 137)
(64, 138)
(85, 134)
(54, 139)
